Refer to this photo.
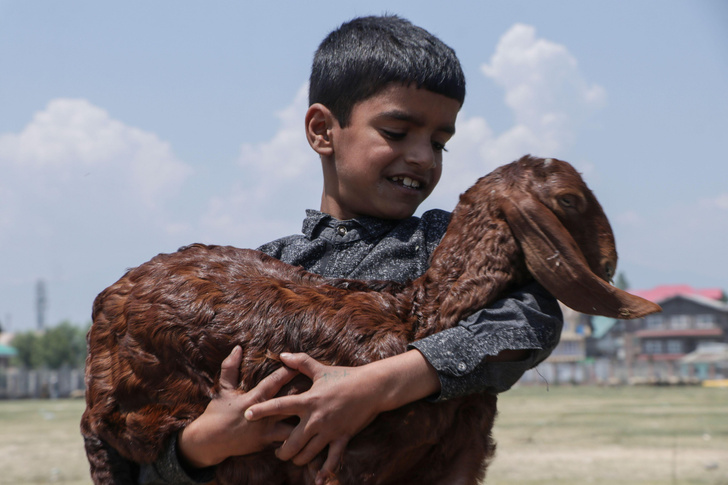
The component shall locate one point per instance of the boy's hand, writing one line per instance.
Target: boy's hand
(342, 401)
(222, 430)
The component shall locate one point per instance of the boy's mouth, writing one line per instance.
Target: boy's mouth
(406, 181)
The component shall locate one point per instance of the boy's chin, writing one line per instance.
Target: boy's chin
(399, 207)
(397, 214)
(380, 209)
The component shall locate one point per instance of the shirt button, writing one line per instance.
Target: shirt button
(341, 230)
(462, 366)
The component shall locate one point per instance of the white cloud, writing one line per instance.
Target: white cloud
(287, 155)
(281, 177)
(543, 84)
(72, 139)
(80, 193)
(629, 218)
(548, 96)
(83, 195)
(678, 240)
(719, 202)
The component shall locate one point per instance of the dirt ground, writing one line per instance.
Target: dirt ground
(563, 435)
(40, 442)
(639, 435)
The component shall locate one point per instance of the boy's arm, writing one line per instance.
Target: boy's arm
(487, 352)
(522, 330)
(221, 431)
(344, 400)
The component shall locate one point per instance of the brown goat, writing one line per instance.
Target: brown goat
(160, 333)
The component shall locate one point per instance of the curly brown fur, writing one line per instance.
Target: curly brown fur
(161, 332)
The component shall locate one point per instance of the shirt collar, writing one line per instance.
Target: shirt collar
(366, 226)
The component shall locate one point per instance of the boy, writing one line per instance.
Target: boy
(384, 97)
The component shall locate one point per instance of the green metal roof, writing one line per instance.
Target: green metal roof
(601, 325)
(6, 351)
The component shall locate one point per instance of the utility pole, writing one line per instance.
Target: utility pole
(41, 303)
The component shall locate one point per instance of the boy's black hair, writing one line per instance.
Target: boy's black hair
(364, 55)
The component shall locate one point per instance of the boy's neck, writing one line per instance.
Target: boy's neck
(361, 217)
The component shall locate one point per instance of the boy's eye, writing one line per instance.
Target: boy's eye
(438, 147)
(393, 135)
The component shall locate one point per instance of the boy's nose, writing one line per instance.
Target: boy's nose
(422, 155)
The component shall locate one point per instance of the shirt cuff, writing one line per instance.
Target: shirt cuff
(460, 365)
(168, 469)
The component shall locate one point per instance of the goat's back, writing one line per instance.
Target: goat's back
(160, 333)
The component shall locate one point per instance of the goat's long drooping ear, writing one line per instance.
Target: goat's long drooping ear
(555, 261)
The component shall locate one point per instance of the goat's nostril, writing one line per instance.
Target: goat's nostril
(609, 271)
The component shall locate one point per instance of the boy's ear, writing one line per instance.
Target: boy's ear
(319, 124)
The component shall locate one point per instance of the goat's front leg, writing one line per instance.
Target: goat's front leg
(466, 470)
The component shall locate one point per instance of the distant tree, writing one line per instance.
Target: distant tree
(621, 281)
(30, 351)
(62, 345)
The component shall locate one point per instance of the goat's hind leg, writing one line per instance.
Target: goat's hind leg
(107, 466)
(466, 470)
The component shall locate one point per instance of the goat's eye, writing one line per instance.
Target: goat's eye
(567, 201)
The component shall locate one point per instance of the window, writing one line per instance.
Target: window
(709, 346)
(705, 321)
(674, 347)
(568, 347)
(572, 348)
(654, 322)
(679, 322)
(653, 347)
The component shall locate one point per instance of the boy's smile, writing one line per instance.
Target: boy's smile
(388, 159)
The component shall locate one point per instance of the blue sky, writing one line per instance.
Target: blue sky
(132, 128)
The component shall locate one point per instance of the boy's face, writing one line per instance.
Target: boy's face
(388, 159)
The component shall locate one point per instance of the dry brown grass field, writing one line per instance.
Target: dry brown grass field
(563, 435)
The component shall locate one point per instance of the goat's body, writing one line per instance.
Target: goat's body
(161, 332)
(154, 358)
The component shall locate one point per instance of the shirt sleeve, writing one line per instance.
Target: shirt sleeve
(169, 470)
(529, 319)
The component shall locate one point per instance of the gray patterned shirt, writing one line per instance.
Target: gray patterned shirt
(371, 248)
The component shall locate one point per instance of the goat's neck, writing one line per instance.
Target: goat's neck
(476, 262)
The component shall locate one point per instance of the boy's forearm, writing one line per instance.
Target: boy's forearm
(490, 350)
(193, 450)
(405, 378)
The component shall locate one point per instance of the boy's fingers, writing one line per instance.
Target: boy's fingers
(269, 387)
(309, 452)
(296, 442)
(324, 478)
(229, 369)
(333, 460)
(280, 433)
(303, 363)
(279, 406)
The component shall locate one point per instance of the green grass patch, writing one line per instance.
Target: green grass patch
(40, 442)
(565, 436)
(624, 435)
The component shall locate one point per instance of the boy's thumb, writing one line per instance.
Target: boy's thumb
(301, 362)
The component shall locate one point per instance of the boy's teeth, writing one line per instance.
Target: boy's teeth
(407, 182)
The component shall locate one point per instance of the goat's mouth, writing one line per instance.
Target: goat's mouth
(407, 182)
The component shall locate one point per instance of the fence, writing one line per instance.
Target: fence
(22, 383)
(612, 372)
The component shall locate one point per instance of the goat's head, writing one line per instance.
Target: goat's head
(566, 237)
